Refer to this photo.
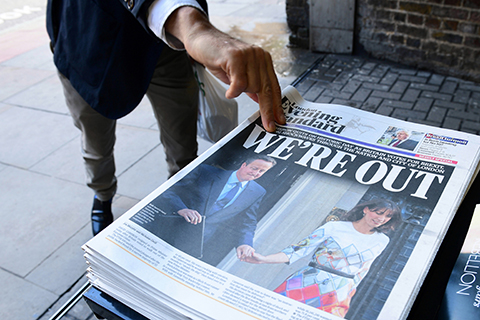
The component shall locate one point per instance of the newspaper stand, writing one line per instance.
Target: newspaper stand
(427, 303)
(106, 307)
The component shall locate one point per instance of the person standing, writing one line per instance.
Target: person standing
(110, 53)
(227, 200)
(341, 254)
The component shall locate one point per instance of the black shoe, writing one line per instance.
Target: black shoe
(101, 215)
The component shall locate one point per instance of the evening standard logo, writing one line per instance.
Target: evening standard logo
(446, 139)
(301, 116)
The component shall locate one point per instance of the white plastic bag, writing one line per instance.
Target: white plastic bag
(217, 115)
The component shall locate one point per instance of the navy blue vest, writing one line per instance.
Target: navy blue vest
(105, 49)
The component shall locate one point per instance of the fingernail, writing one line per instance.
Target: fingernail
(271, 126)
(282, 118)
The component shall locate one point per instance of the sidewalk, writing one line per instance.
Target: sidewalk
(45, 204)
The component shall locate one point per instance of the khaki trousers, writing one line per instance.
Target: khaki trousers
(173, 93)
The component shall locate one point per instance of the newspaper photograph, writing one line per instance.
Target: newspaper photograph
(338, 214)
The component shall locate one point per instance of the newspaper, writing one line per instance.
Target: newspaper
(329, 255)
(462, 295)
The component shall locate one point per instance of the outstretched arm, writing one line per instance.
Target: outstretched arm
(257, 258)
(246, 68)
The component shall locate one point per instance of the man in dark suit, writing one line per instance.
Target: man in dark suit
(110, 53)
(227, 200)
(402, 141)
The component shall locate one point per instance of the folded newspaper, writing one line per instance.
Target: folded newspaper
(338, 214)
(462, 296)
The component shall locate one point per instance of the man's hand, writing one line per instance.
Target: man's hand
(244, 251)
(246, 68)
(190, 215)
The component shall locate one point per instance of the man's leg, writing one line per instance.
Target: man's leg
(98, 139)
(173, 93)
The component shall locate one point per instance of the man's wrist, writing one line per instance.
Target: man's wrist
(184, 23)
(160, 10)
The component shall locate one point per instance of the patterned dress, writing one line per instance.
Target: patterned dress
(341, 258)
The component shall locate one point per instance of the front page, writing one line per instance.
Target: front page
(303, 196)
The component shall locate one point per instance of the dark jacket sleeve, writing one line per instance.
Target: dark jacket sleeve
(181, 195)
(193, 191)
(249, 223)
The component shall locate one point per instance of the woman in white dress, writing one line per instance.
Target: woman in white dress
(341, 255)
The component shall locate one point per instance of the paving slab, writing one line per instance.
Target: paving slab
(23, 38)
(46, 95)
(225, 10)
(38, 216)
(144, 176)
(67, 262)
(37, 58)
(64, 163)
(132, 144)
(28, 135)
(24, 78)
(250, 15)
(26, 302)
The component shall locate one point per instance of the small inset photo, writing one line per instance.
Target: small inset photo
(400, 138)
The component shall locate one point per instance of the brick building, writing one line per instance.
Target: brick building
(437, 35)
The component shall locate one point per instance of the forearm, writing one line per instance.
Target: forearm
(158, 14)
(248, 226)
(279, 257)
(244, 67)
(199, 37)
(186, 22)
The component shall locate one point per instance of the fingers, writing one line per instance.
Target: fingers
(191, 216)
(244, 252)
(255, 76)
(245, 67)
(273, 93)
(254, 258)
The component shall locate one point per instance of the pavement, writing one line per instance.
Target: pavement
(45, 203)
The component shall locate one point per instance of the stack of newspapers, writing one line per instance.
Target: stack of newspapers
(339, 213)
